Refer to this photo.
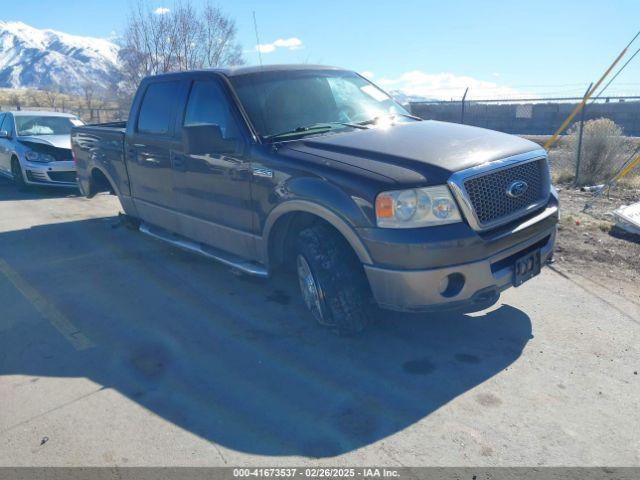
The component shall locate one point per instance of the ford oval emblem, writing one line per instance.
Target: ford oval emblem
(517, 189)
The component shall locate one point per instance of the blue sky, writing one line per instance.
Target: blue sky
(496, 48)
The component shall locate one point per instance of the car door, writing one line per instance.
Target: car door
(148, 148)
(213, 191)
(5, 143)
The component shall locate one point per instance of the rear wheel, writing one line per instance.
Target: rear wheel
(332, 282)
(18, 176)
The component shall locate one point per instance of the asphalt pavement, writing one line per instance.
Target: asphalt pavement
(116, 349)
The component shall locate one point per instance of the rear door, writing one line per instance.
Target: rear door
(148, 150)
(213, 191)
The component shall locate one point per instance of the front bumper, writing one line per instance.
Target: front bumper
(59, 174)
(483, 277)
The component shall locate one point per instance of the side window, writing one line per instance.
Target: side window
(158, 107)
(6, 124)
(208, 105)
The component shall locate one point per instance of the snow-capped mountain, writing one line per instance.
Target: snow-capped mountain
(33, 58)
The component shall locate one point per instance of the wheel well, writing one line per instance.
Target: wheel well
(100, 182)
(284, 233)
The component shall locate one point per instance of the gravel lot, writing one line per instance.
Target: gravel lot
(118, 350)
(590, 243)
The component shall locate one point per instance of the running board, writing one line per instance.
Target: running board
(232, 261)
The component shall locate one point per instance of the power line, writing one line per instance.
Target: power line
(616, 74)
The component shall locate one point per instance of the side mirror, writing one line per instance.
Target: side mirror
(4, 134)
(203, 139)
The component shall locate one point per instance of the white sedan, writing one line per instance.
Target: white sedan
(35, 148)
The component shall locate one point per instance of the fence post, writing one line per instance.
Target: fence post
(579, 154)
(462, 111)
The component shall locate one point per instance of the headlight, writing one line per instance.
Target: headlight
(419, 207)
(39, 157)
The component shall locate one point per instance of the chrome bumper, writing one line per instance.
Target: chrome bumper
(419, 290)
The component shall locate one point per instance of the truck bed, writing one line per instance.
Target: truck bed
(100, 127)
(100, 147)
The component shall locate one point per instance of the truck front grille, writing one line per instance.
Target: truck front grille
(484, 192)
(488, 193)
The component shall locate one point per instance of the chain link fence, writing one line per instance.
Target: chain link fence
(538, 116)
(606, 148)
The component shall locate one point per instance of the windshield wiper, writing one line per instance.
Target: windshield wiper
(303, 130)
(406, 115)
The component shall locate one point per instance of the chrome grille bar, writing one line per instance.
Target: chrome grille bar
(481, 191)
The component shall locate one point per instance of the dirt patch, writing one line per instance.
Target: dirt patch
(588, 242)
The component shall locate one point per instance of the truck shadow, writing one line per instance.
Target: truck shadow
(233, 360)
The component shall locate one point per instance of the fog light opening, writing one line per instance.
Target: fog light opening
(451, 285)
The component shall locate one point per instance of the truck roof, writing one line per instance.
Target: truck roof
(238, 71)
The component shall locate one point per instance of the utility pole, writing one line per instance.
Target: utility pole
(462, 110)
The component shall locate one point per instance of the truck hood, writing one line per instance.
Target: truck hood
(415, 152)
(58, 141)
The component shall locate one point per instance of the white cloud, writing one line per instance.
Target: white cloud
(161, 11)
(292, 43)
(447, 86)
(367, 74)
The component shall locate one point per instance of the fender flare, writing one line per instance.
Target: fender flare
(335, 220)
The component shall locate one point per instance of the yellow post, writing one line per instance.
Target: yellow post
(579, 107)
(627, 169)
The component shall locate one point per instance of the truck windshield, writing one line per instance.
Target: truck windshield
(283, 103)
(42, 125)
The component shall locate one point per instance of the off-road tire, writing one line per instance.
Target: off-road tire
(344, 296)
(18, 176)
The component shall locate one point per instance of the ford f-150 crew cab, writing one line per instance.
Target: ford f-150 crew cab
(317, 169)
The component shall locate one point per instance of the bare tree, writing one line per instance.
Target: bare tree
(15, 100)
(183, 38)
(92, 97)
(52, 95)
(33, 98)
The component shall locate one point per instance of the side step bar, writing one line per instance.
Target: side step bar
(232, 261)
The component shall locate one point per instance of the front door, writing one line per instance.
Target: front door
(148, 154)
(5, 143)
(213, 191)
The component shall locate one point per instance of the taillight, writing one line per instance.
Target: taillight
(73, 155)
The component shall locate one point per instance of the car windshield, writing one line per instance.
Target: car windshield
(297, 102)
(42, 125)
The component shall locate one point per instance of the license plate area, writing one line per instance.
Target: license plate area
(526, 267)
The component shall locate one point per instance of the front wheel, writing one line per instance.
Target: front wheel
(333, 284)
(18, 176)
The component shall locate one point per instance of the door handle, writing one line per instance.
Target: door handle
(151, 160)
(240, 174)
(132, 154)
(178, 163)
